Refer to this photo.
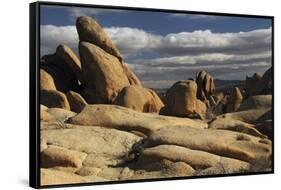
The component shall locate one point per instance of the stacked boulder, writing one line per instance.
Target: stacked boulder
(100, 78)
(105, 78)
(59, 73)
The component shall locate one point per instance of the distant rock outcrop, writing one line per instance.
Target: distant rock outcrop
(259, 85)
(206, 85)
(181, 100)
(139, 98)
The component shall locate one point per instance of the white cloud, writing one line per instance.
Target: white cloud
(178, 55)
(51, 36)
(132, 40)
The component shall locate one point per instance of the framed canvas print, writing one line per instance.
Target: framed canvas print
(120, 94)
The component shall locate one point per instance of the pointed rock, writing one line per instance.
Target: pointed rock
(76, 101)
(206, 85)
(66, 53)
(235, 100)
(90, 31)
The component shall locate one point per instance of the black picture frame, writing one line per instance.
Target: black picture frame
(34, 88)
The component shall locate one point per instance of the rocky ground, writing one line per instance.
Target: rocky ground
(98, 123)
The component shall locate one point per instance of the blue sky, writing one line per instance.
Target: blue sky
(165, 47)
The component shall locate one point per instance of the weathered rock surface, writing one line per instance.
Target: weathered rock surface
(168, 170)
(127, 119)
(54, 99)
(234, 101)
(90, 31)
(195, 158)
(54, 177)
(256, 102)
(181, 100)
(45, 116)
(249, 116)
(61, 157)
(76, 101)
(235, 125)
(66, 54)
(60, 114)
(139, 98)
(104, 146)
(102, 74)
(221, 142)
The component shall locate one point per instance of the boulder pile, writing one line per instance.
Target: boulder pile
(99, 123)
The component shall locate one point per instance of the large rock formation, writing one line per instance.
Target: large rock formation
(197, 159)
(139, 98)
(127, 119)
(224, 143)
(181, 100)
(102, 74)
(117, 142)
(90, 31)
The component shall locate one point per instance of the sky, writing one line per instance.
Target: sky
(163, 47)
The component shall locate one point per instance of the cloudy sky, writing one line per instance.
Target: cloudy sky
(162, 48)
